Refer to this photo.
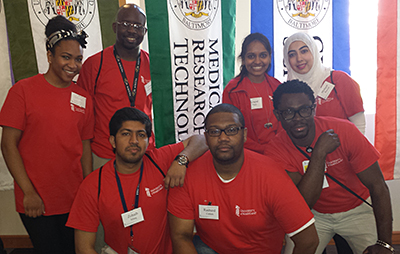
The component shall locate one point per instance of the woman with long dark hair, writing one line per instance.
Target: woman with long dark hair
(251, 91)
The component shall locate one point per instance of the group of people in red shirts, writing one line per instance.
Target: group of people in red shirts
(283, 158)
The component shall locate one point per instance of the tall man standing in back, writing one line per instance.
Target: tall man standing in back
(117, 77)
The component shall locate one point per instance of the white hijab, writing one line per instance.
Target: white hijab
(317, 74)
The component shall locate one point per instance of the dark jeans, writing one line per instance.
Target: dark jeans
(342, 247)
(2, 250)
(201, 247)
(49, 235)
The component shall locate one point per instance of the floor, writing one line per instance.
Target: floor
(20, 251)
(330, 250)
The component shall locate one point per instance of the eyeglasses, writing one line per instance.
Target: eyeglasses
(229, 131)
(136, 27)
(304, 112)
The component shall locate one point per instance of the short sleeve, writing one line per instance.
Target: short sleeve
(348, 92)
(13, 112)
(84, 214)
(179, 203)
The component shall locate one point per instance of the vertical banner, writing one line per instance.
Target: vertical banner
(387, 114)
(6, 181)
(191, 53)
(26, 21)
(83, 13)
(325, 20)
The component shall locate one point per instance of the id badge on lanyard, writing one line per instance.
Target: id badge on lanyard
(131, 93)
(325, 183)
(132, 217)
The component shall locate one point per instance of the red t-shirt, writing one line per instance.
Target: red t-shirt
(346, 101)
(53, 128)
(255, 209)
(152, 234)
(259, 114)
(354, 155)
(110, 93)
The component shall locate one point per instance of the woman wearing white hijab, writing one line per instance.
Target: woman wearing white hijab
(342, 99)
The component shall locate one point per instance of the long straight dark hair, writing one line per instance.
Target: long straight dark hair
(246, 42)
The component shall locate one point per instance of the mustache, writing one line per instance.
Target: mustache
(133, 146)
(132, 35)
(223, 146)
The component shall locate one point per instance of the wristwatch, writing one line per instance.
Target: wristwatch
(182, 159)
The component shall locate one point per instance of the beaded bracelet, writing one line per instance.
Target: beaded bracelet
(385, 245)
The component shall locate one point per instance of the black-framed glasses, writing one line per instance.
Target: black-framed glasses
(229, 131)
(135, 26)
(304, 112)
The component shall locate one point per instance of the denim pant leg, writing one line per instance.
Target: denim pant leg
(201, 247)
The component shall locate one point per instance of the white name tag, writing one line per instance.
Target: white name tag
(305, 166)
(325, 183)
(325, 90)
(256, 103)
(208, 212)
(147, 88)
(132, 217)
(78, 100)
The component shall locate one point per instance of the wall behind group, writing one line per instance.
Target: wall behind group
(10, 223)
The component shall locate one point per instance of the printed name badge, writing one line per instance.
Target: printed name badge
(305, 165)
(147, 87)
(78, 100)
(256, 103)
(325, 183)
(208, 212)
(132, 217)
(325, 90)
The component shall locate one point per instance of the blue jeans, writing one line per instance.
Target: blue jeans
(201, 247)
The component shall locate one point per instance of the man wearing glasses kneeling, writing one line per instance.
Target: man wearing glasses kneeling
(335, 168)
(239, 200)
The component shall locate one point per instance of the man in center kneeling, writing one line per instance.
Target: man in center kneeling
(240, 201)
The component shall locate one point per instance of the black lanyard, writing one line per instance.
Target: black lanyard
(121, 192)
(131, 93)
(334, 179)
(304, 153)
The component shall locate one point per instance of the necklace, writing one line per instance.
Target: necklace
(268, 124)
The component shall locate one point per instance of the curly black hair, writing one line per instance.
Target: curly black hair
(290, 87)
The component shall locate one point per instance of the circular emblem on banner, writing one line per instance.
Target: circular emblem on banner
(79, 12)
(195, 14)
(303, 14)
